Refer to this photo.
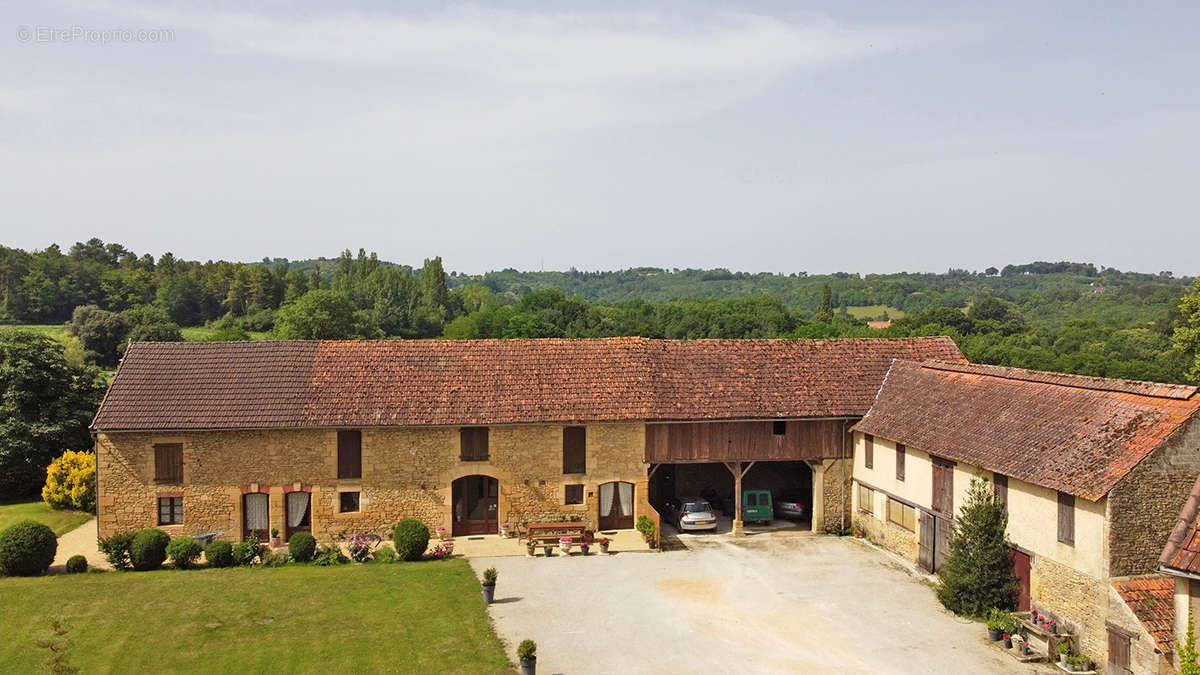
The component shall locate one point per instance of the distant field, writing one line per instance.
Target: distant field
(199, 333)
(874, 312)
(51, 330)
(59, 331)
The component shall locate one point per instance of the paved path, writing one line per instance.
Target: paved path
(79, 540)
(775, 602)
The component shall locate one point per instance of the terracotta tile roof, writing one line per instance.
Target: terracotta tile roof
(1076, 434)
(1182, 552)
(235, 385)
(1153, 603)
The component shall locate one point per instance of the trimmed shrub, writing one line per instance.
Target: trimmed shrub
(385, 554)
(527, 651)
(219, 554)
(330, 555)
(148, 549)
(27, 549)
(302, 546)
(71, 482)
(411, 538)
(76, 564)
(116, 549)
(183, 552)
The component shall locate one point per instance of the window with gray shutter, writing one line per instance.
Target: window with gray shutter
(869, 451)
(900, 462)
(1066, 518)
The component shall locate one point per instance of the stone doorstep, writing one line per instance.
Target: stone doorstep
(1076, 672)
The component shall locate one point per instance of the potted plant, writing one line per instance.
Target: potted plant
(548, 549)
(995, 625)
(1052, 626)
(504, 530)
(275, 540)
(647, 528)
(564, 543)
(1012, 623)
(1064, 650)
(603, 542)
(489, 585)
(1007, 641)
(1075, 663)
(1024, 648)
(441, 532)
(583, 546)
(527, 655)
(1033, 615)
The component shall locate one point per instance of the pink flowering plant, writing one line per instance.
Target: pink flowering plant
(361, 546)
(443, 551)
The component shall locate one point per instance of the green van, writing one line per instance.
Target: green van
(756, 505)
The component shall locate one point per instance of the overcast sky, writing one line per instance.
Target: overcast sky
(777, 136)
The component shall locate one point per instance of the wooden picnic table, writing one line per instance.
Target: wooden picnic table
(551, 532)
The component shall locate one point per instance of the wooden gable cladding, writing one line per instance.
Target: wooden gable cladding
(746, 441)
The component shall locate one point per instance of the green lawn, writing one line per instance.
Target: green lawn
(405, 617)
(59, 521)
(872, 312)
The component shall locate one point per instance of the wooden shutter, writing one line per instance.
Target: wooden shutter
(474, 444)
(1066, 518)
(943, 486)
(349, 447)
(869, 451)
(1001, 483)
(574, 450)
(1118, 652)
(168, 463)
(899, 461)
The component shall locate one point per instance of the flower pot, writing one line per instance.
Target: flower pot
(565, 548)
(651, 543)
(503, 531)
(1008, 643)
(1053, 629)
(604, 548)
(489, 592)
(441, 533)
(529, 667)
(549, 550)
(1062, 659)
(276, 542)
(994, 634)
(1024, 650)
(583, 549)
(530, 551)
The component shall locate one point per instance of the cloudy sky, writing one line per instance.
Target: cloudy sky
(774, 136)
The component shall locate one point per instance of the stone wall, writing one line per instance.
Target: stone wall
(1144, 506)
(406, 472)
(1075, 600)
(894, 538)
(1144, 656)
(835, 485)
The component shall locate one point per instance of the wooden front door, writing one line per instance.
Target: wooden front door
(299, 513)
(1021, 564)
(926, 543)
(256, 518)
(945, 528)
(475, 510)
(616, 506)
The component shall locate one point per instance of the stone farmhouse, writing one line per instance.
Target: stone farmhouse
(351, 436)
(1091, 471)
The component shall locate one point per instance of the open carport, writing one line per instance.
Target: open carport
(715, 481)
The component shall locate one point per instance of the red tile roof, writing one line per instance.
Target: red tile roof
(1182, 552)
(255, 385)
(1076, 434)
(1153, 603)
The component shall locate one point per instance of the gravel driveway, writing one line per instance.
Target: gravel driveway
(773, 602)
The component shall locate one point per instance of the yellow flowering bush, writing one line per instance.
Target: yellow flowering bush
(71, 481)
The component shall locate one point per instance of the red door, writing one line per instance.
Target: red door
(1021, 562)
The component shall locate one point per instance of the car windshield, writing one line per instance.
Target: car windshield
(696, 507)
(791, 496)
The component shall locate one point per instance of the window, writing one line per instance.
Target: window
(474, 444)
(349, 454)
(869, 451)
(1066, 518)
(866, 499)
(902, 514)
(347, 502)
(943, 486)
(574, 451)
(900, 461)
(779, 428)
(574, 494)
(170, 510)
(1001, 483)
(168, 463)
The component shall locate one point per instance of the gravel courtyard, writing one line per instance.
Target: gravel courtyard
(773, 602)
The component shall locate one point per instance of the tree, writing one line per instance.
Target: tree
(183, 300)
(978, 574)
(46, 405)
(825, 312)
(150, 324)
(1187, 333)
(323, 315)
(100, 332)
(1187, 653)
(71, 482)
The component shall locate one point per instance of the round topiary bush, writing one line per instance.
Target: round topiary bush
(302, 546)
(411, 538)
(183, 552)
(219, 554)
(76, 564)
(27, 549)
(148, 549)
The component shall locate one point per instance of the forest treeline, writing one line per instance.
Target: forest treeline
(1070, 317)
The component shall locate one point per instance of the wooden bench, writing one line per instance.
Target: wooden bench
(550, 533)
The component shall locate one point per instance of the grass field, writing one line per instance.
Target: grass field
(406, 617)
(874, 311)
(59, 332)
(198, 333)
(49, 330)
(59, 521)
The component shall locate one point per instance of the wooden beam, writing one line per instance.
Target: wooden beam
(652, 470)
(748, 467)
